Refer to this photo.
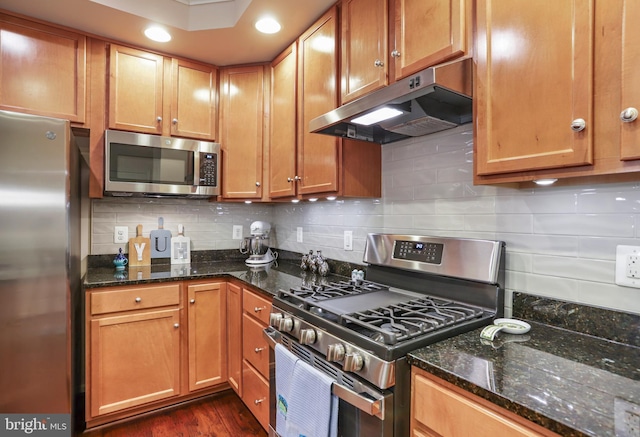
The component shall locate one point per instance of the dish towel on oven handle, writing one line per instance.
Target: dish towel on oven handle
(313, 409)
(285, 363)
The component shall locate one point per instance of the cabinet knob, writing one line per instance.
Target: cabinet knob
(159, 119)
(258, 401)
(395, 54)
(192, 301)
(174, 121)
(297, 178)
(378, 63)
(257, 184)
(258, 350)
(629, 115)
(578, 125)
(176, 325)
(289, 180)
(138, 299)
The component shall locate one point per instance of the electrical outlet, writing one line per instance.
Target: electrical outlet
(628, 266)
(237, 232)
(348, 240)
(121, 234)
(299, 234)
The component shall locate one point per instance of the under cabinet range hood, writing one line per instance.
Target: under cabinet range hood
(429, 101)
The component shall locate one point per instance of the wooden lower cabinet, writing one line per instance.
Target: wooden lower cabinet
(153, 345)
(234, 336)
(256, 393)
(440, 409)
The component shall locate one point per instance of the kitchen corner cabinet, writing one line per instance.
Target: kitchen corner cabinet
(152, 94)
(364, 66)
(42, 69)
(207, 336)
(580, 65)
(146, 348)
(428, 32)
(439, 409)
(234, 336)
(255, 354)
(242, 131)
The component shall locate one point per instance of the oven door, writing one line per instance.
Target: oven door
(364, 410)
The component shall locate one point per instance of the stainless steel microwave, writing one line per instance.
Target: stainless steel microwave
(151, 165)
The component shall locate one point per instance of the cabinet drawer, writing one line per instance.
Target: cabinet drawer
(256, 394)
(137, 298)
(258, 306)
(255, 348)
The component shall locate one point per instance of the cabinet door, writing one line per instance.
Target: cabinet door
(534, 76)
(364, 47)
(317, 94)
(630, 131)
(42, 69)
(282, 152)
(193, 102)
(135, 90)
(135, 359)
(234, 337)
(206, 309)
(241, 131)
(427, 32)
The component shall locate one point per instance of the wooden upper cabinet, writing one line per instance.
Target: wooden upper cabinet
(241, 131)
(282, 152)
(533, 85)
(428, 32)
(136, 80)
(364, 47)
(42, 69)
(630, 88)
(193, 99)
(317, 94)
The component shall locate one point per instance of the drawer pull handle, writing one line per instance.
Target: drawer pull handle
(258, 350)
(192, 301)
(138, 299)
(258, 309)
(176, 325)
(258, 401)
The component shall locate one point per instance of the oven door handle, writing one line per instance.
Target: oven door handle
(272, 336)
(373, 407)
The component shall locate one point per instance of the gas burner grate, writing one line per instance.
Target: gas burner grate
(307, 295)
(399, 322)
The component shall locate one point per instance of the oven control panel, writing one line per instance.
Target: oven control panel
(418, 251)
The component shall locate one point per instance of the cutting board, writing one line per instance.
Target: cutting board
(139, 249)
(180, 248)
(160, 241)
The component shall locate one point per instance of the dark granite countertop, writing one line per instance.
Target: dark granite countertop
(570, 382)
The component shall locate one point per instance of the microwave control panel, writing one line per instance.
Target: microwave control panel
(419, 251)
(208, 169)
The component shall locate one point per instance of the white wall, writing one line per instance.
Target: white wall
(561, 241)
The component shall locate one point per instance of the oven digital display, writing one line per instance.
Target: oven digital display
(419, 251)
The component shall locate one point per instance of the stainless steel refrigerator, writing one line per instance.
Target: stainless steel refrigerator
(39, 265)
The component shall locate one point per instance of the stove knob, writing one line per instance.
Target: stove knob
(274, 319)
(286, 324)
(335, 352)
(352, 362)
(307, 336)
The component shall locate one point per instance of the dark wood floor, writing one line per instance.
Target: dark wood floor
(222, 415)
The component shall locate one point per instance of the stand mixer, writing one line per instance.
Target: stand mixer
(257, 245)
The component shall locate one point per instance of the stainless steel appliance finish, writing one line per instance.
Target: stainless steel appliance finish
(151, 165)
(39, 263)
(419, 290)
(431, 100)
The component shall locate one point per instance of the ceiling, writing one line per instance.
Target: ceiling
(219, 32)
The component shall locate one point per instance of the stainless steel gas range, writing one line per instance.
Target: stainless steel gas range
(418, 290)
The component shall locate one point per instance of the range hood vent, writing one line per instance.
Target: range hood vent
(431, 100)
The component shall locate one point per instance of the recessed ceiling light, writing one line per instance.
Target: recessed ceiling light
(158, 34)
(268, 25)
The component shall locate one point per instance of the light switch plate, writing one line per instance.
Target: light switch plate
(348, 240)
(121, 235)
(299, 234)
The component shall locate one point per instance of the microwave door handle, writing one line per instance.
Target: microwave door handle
(196, 168)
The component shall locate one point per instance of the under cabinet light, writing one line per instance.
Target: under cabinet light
(331, 198)
(295, 200)
(383, 113)
(545, 181)
(313, 199)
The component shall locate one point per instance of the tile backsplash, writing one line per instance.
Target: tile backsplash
(561, 241)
